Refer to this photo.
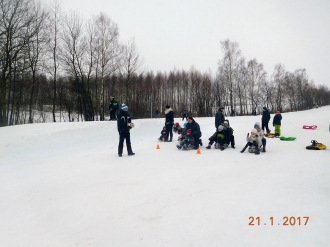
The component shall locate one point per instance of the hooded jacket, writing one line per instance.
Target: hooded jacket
(123, 119)
(219, 118)
(265, 115)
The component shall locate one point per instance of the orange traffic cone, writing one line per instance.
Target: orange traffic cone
(198, 151)
(158, 147)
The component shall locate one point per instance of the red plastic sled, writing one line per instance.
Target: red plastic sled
(309, 127)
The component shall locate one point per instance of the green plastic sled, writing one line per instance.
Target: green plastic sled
(283, 138)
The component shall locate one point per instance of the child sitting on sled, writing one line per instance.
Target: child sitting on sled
(253, 140)
(163, 136)
(219, 137)
(186, 140)
(177, 128)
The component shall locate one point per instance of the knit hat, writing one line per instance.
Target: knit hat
(222, 107)
(124, 107)
(185, 124)
(220, 127)
(177, 124)
(167, 107)
(256, 125)
(265, 108)
(254, 131)
(225, 122)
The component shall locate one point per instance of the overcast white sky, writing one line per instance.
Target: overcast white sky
(181, 34)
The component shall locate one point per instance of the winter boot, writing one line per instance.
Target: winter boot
(242, 151)
(208, 146)
(131, 154)
(264, 150)
(222, 148)
(200, 142)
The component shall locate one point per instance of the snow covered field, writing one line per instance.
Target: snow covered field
(63, 185)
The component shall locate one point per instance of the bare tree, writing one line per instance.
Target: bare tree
(107, 51)
(229, 67)
(15, 19)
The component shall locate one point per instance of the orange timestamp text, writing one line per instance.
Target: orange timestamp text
(285, 221)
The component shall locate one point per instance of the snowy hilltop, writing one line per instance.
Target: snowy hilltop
(63, 184)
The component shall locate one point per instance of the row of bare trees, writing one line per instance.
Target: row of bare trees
(57, 66)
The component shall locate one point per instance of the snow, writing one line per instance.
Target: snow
(63, 184)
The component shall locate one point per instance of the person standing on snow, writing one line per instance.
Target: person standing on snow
(124, 125)
(169, 122)
(265, 120)
(277, 123)
(113, 107)
(219, 117)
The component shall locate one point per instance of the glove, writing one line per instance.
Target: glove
(247, 134)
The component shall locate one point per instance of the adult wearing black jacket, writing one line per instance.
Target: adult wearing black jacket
(124, 125)
(113, 107)
(195, 131)
(169, 122)
(265, 119)
(219, 117)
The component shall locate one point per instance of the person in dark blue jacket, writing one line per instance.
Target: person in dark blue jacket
(169, 122)
(124, 124)
(265, 120)
(277, 123)
(195, 132)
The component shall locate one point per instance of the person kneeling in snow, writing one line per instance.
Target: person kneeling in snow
(163, 135)
(219, 137)
(253, 140)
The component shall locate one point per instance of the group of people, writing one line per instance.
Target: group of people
(190, 133)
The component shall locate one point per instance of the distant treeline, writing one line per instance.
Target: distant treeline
(56, 59)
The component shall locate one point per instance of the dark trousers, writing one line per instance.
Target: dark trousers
(215, 139)
(184, 116)
(249, 144)
(122, 137)
(169, 131)
(264, 125)
(113, 115)
(263, 140)
(197, 141)
(230, 140)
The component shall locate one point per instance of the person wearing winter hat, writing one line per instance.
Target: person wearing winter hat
(113, 107)
(230, 139)
(261, 134)
(195, 131)
(265, 119)
(277, 123)
(124, 124)
(163, 133)
(169, 122)
(177, 128)
(219, 117)
(253, 140)
(219, 136)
